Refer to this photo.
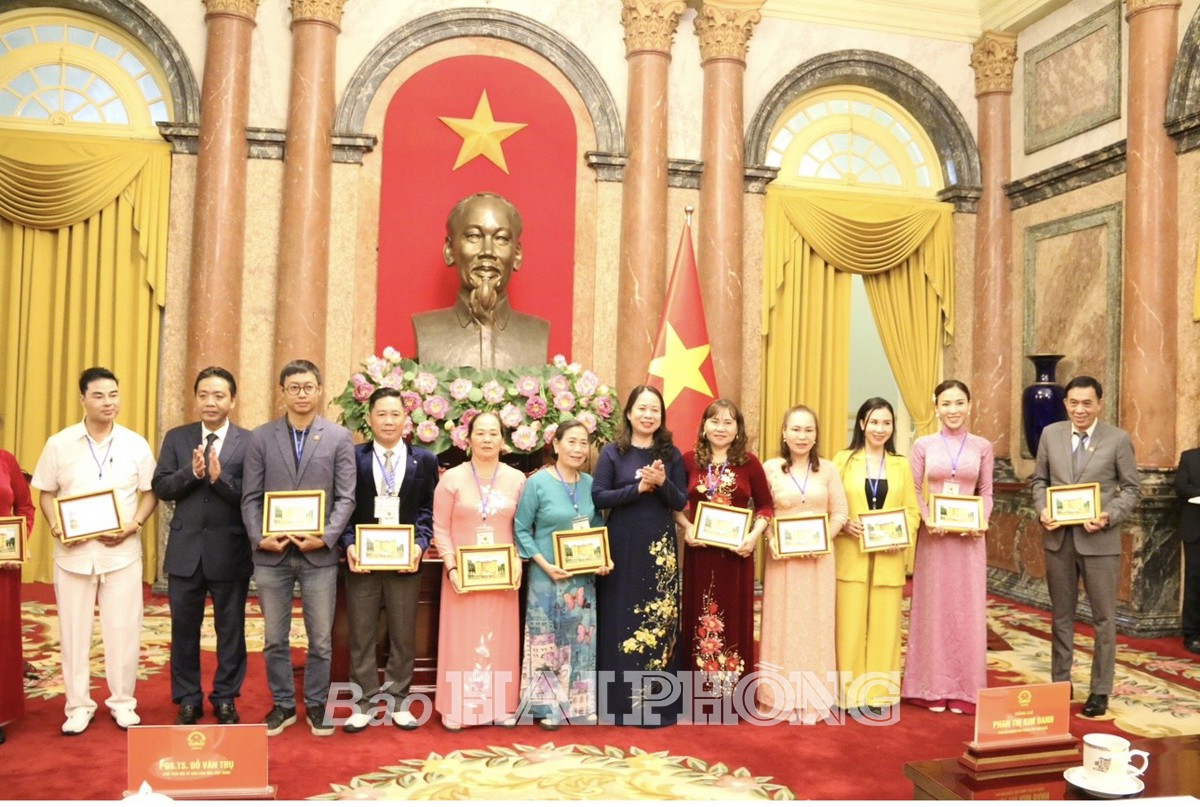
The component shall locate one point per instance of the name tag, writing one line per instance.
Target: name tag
(581, 523)
(387, 510)
(950, 488)
(485, 535)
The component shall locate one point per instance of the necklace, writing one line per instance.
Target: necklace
(802, 488)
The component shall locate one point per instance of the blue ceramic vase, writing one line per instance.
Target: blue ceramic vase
(1041, 401)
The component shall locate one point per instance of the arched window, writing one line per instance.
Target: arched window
(67, 72)
(849, 138)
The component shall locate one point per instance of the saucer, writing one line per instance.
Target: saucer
(1078, 777)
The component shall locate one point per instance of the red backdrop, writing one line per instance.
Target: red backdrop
(420, 187)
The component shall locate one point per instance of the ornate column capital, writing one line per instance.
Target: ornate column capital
(327, 11)
(237, 8)
(1133, 7)
(650, 24)
(993, 59)
(725, 28)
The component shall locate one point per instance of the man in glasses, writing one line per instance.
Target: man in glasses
(300, 451)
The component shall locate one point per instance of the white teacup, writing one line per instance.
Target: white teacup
(1107, 760)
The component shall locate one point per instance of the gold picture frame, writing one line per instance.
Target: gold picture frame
(956, 513)
(884, 529)
(386, 547)
(720, 525)
(487, 567)
(581, 551)
(293, 512)
(797, 536)
(87, 515)
(1073, 504)
(14, 546)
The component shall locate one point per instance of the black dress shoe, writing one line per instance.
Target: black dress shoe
(3, 737)
(188, 715)
(1193, 645)
(227, 714)
(1095, 706)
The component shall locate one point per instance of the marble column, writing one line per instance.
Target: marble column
(991, 378)
(724, 28)
(649, 32)
(219, 215)
(1148, 338)
(303, 269)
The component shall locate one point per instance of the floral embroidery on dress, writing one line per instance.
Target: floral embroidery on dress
(720, 666)
(718, 484)
(660, 615)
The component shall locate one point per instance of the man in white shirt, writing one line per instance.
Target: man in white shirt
(94, 456)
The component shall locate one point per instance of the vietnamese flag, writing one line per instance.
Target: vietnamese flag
(682, 366)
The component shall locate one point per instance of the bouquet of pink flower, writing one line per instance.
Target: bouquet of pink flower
(441, 401)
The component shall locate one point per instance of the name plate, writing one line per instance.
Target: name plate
(1033, 714)
(219, 761)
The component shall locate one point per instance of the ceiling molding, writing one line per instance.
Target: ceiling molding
(953, 20)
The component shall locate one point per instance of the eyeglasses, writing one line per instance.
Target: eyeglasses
(296, 389)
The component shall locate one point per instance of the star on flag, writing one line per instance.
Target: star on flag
(482, 135)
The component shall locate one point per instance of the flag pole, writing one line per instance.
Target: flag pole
(687, 211)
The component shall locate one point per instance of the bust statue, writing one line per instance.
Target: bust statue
(483, 241)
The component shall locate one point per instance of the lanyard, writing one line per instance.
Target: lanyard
(873, 482)
(100, 463)
(954, 459)
(389, 480)
(802, 488)
(483, 500)
(711, 483)
(298, 440)
(572, 492)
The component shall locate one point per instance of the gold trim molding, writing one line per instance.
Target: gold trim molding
(993, 59)
(650, 24)
(725, 30)
(236, 8)
(328, 11)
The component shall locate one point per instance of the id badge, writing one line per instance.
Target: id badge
(485, 535)
(581, 523)
(950, 488)
(387, 510)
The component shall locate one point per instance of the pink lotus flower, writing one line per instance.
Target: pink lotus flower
(393, 380)
(362, 387)
(525, 438)
(391, 354)
(559, 384)
(377, 367)
(528, 386)
(458, 436)
(549, 433)
(436, 407)
(511, 416)
(559, 361)
(587, 383)
(460, 388)
(467, 417)
(493, 392)
(425, 383)
(412, 401)
(589, 421)
(604, 406)
(564, 401)
(536, 407)
(428, 431)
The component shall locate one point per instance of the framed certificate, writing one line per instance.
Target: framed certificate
(802, 535)
(13, 547)
(581, 550)
(956, 513)
(386, 548)
(721, 525)
(1073, 504)
(88, 515)
(487, 567)
(884, 529)
(293, 512)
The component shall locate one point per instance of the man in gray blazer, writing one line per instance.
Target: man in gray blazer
(1083, 450)
(299, 451)
(200, 469)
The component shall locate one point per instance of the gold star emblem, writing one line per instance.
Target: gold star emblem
(482, 135)
(679, 367)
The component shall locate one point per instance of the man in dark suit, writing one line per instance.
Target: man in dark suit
(1083, 450)
(300, 451)
(1187, 485)
(395, 486)
(200, 469)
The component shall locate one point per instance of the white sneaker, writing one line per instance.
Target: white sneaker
(356, 722)
(77, 722)
(126, 717)
(403, 719)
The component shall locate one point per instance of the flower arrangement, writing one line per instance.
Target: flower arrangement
(441, 401)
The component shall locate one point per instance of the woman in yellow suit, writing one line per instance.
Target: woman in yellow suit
(870, 585)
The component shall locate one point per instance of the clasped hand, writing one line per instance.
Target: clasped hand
(278, 543)
(214, 464)
(652, 477)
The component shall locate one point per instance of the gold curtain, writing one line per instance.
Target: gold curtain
(903, 248)
(83, 247)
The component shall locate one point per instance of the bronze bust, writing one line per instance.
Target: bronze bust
(483, 240)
